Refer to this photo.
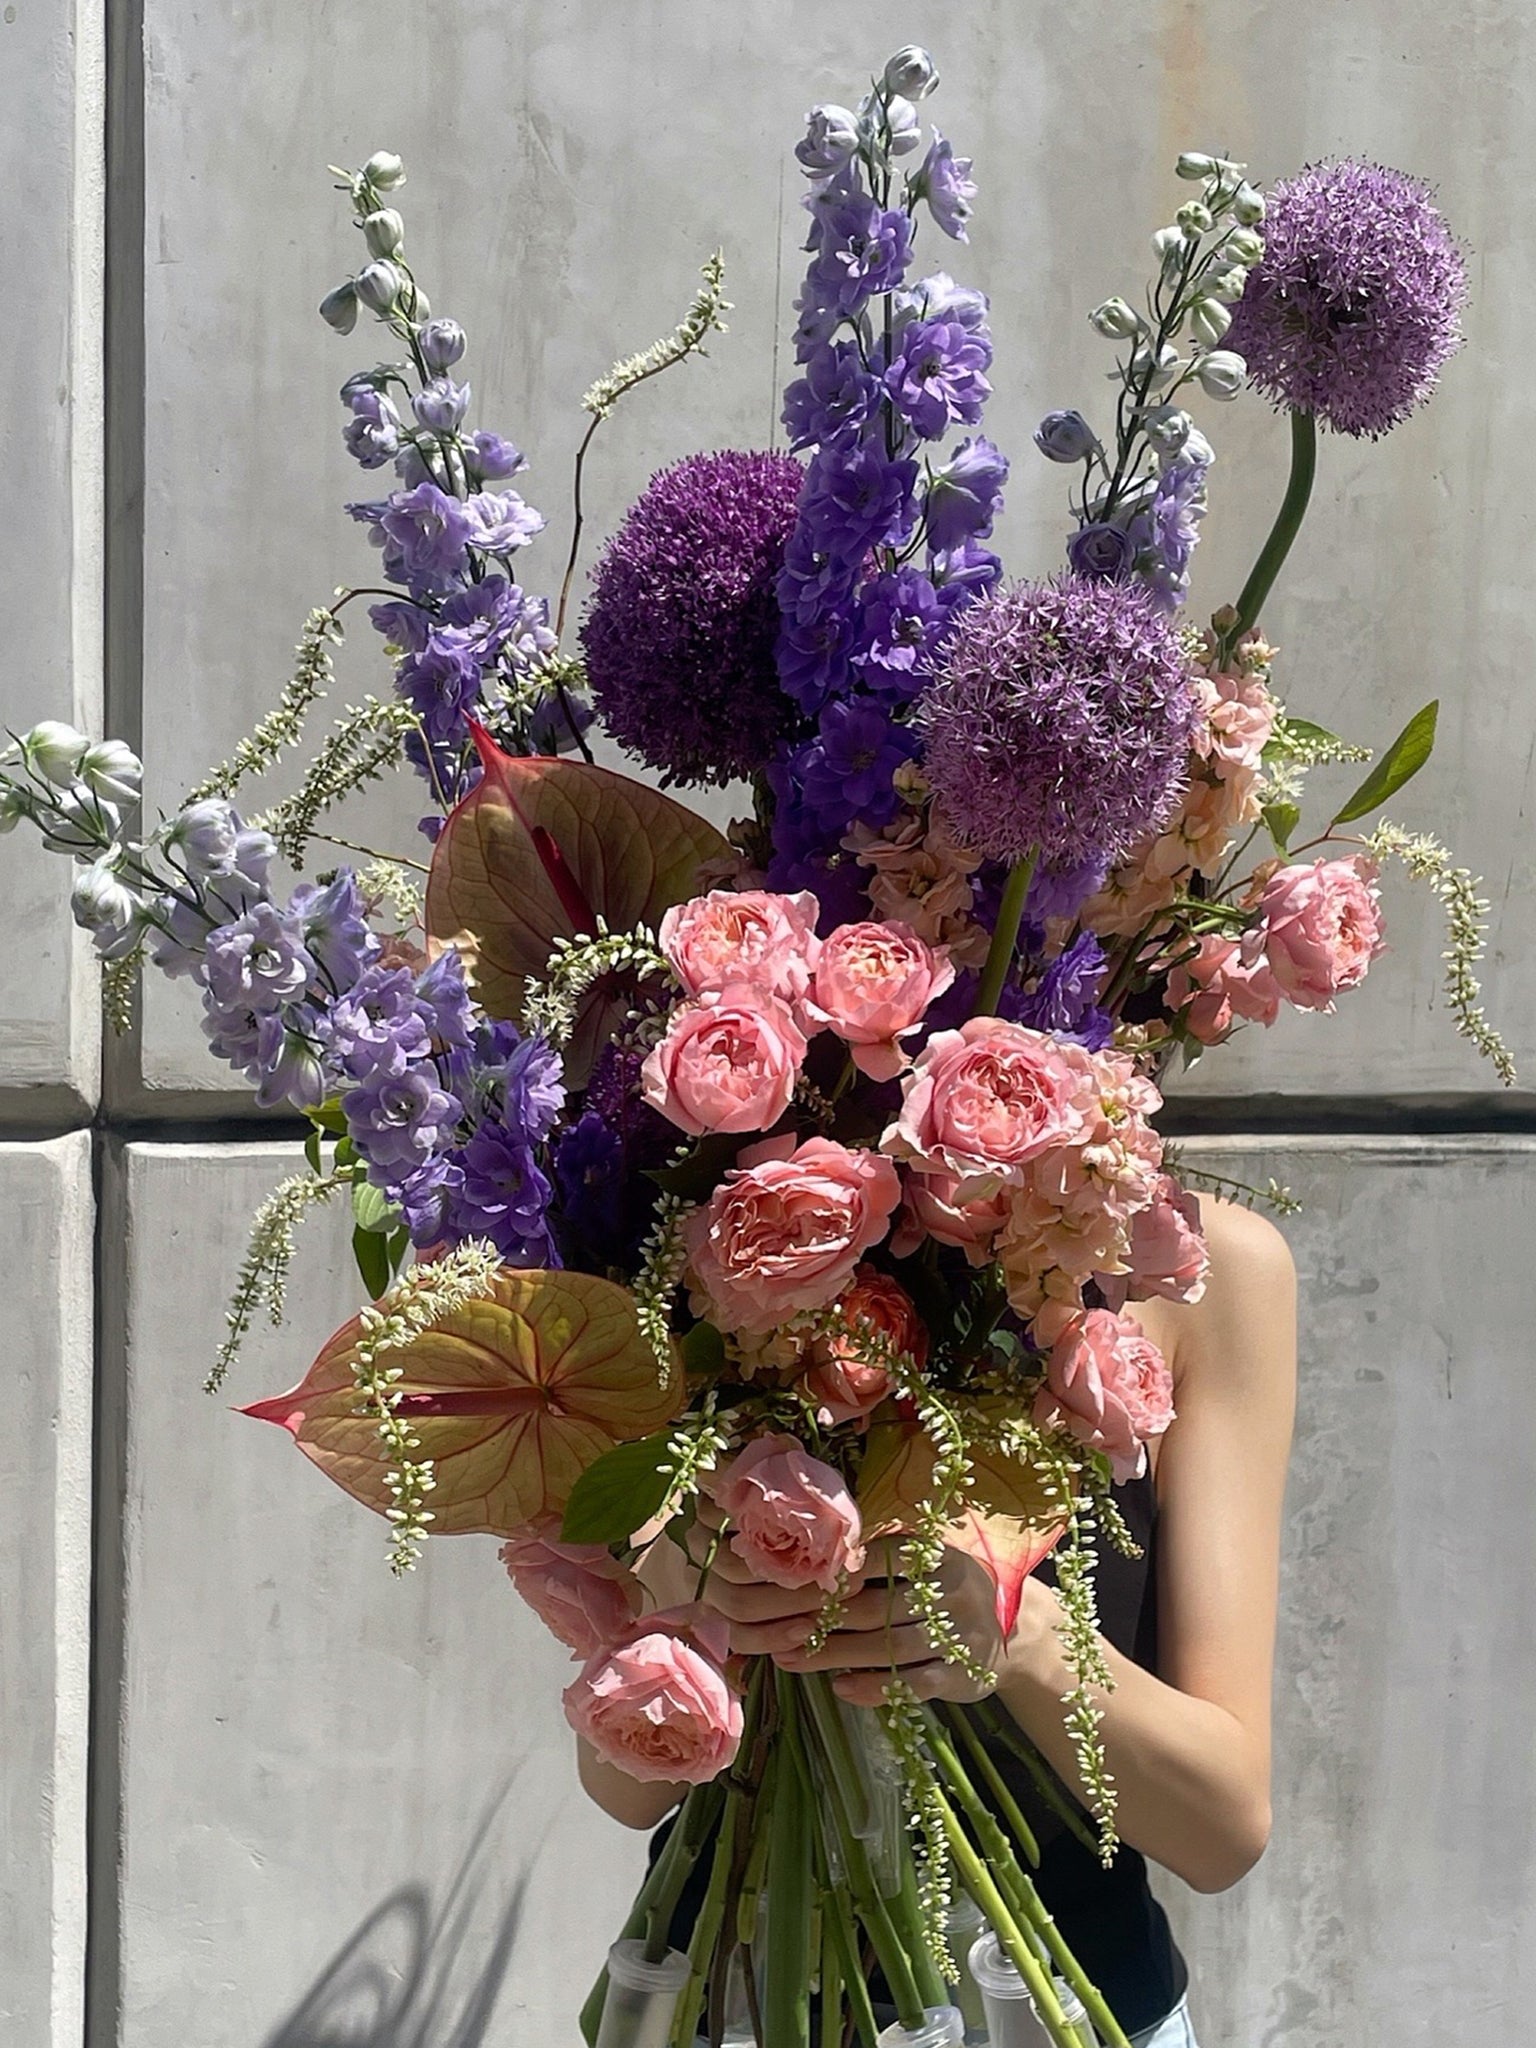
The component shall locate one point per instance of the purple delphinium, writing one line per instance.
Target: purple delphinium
(945, 181)
(1101, 551)
(398, 1120)
(589, 1170)
(901, 618)
(424, 534)
(503, 1195)
(1063, 1000)
(1355, 306)
(679, 638)
(846, 772)
(1164, 533)
(937, 376)
(835, 396)
(372, 434)
(1058, 721)
(965, 494)
(861, 249)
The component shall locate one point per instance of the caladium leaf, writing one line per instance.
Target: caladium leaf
(541, 849)
(512, 1398)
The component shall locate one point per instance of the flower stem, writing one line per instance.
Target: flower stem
(1005, 935)
(1287, 525)
(706, 1933)
(787, 1962)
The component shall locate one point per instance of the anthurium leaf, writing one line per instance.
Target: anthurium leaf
(512, 1398)
(372, 1255)
(895, 1480)
(541, 849)
(1008, 1549)
(1280, 821)
(1399, 764)
(619, 1493)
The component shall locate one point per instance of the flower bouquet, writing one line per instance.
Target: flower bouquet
(781, 1198)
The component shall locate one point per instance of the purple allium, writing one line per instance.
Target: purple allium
(1058, 721)
(846, 772)
(946, 183)
(1355, 306)
(679, 638)
(835, 396)
(901, 619)
(937, 378)
(504, 1196)
(966, 494)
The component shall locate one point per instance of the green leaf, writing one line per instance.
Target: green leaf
(372, 1209)
(703, 1349)
(346, 1153)
(702, 1171)
(312, 1151)
(1399, 764)
(618, 1493)
(372, 1256)
(397, 1247)
(1280, 821)
(1311, 736)
(328, 1118)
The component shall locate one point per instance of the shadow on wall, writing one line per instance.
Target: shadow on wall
(409, 1978)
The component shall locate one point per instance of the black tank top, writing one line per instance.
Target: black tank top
(1109, 1918)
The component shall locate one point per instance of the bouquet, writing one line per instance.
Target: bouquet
(786, 1194)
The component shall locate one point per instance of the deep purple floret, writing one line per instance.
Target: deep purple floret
(856, 499)
(1067, 989)
(901, 621)
(504, 1196)
(1058, 722)
(835, 396)
(679, 640)
(846, 772)
(1355, 306)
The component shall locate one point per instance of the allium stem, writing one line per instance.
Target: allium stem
(1284, 531)
(1005, 935)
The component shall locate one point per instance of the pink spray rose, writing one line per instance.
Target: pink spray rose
(584, 1597)
(794, 1520)
(933, 1209)
(751, 936)
(1226, 981)
(1322, 928)
(844, 1382)
(658, 1704)
(785, 1231)
(872, 985)
(1168, 1259)
(728, 1062)
(1109, 1387)
(983, 1101)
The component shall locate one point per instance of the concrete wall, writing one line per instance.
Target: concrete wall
(327, 1807)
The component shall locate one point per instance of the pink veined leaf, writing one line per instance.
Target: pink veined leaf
(1009, 1549)
(541, 849)
(512, 1398)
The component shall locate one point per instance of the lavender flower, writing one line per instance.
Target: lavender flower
(966, 494)
(1063, 1000)
(1065, 437)
(287, 1066)
(442, 686)
(679, 638)
(1355, 305)
(1058, 722)
(500, 522)
(257, 963)
(861, 249)
(1101, 551)
(423, 533)
(945, 181)
(937, 378)
(492, 457)
(378, 1026)
(440, 405)
(402, 622)
(398, 1120)
(835, 396)
(334, 929)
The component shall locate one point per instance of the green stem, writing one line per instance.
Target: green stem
(831, 2029)
(639, 1915)
(706, 1932)
(787, 1962)
(1007, 1805)
(1005, 936)
(701, 1810)
(1008, 1733)
(839, 1919)
(1281, 535)
(832, 1729)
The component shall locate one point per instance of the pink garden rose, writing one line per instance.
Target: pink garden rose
(583, 1596)
(728, 1062)
(1227, 981)
(658, 1705)
(872, 986)
(845, 1383)
(1322, 928)
(1109, 1387)
(983, 1101)
(793, 1519)
(785, 1231)
(752, 936)
(933, 1209)
(1168, 1257)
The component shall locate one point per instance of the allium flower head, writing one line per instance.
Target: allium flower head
(1355, 306)
(1058, 721)
(680, 636)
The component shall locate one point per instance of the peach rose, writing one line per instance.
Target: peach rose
(752, 936)
(728, 1062)
(785, 1231)
(1108, 1387)
(983, 1101)
(1322, 928)
(1227, 980)
(846, 1384)
(1168, 1258)
(794, 1521)
(583, 1596)
(933, 1209)
(872, 985)
(658, 1705)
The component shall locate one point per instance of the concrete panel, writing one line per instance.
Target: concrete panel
(348, 1805)
(571, 165)
(50, 568)
(1396, 1900)
(45, 1588)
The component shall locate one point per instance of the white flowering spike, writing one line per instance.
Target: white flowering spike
(54, 750)
(384, 170)
(384, 232)
(112, 769)
(911, 73)
(1221, 373)
(1167, 428)
(1209, 321)
(1228, 286)
(1195, 219)
(1115, 320)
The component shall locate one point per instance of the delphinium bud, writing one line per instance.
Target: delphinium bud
(80, 822)
(441, 405)
(1195, 167)
(1209, 320)
(1195, 219)
(338, 308)
(100, 898)
(441, 343)
(1244, 246)
(384, 232)
(15, 804)
(1227, 286)
(1115, 320)
(384, 170)
(1248, 206)
(831, 136)
(112, 769)
(1065, 437)
(378, 286)
(55, 751)
(1167, 427)
(910, 73)
(1221, 373)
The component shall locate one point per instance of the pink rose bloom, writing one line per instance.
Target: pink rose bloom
(793, 1518)
(728, 1062)
(584, 1597)
(753, 936)
(1227, 981)
(1322, 928)
(872, 985)
(933, 1209)
(1168, 1257)
(1108, 1387)
(785, 1231)
(659, 1705)
(983, 1101)
(845, 1383)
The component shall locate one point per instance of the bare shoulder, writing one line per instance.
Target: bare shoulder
(1248, 1252)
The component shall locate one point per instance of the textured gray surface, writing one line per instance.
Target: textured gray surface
(45, 1562)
